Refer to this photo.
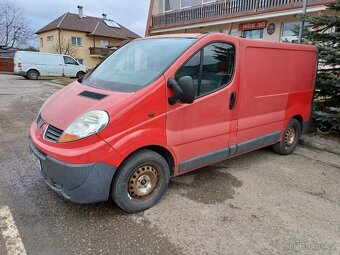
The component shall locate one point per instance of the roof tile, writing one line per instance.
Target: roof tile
(90, 25)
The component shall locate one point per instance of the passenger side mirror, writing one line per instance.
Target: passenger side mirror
(184, 90)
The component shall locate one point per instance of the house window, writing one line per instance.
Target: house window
(234, 31)
(50, 38)
(41, 42)
(185, 3)
(103, 43)
(207, 1)
(76, 41)
(287, 34)
(287, 28)
(211, 68)
(80, 61)
(253, 34)
(169, 5)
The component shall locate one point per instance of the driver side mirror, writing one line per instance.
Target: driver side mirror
(184, 90)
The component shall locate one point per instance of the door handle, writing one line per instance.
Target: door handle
(232, 101)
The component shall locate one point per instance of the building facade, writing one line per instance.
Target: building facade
(85, 38)
(257, 19)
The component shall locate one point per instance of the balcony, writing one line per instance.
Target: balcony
(95, 51)
(226, 9)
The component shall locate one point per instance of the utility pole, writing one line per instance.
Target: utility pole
(304, 10)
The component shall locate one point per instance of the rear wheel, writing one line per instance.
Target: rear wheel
(290, 138)
(140, 181)
(32, 75)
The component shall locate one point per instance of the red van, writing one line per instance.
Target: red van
(166, 105)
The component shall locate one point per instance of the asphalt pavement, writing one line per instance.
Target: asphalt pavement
(259, 203)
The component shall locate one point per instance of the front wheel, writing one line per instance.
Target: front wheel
(80, 74)
(289, 139)
(140, 181)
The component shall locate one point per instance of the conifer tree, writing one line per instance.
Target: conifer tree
(324, 32)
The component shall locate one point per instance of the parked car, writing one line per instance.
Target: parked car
(166, 105)
(31, 65)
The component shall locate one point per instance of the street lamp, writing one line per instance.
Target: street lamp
(304, 10)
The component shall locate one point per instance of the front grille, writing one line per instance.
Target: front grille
(52, 133)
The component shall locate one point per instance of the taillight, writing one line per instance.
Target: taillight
(19, 65)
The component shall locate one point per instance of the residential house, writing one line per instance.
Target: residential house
(271, 20)
(86, 38)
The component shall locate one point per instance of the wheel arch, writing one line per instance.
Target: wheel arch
(164, 152)
(34, 69)
(299, 118)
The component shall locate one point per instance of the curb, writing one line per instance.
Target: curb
(53, 84)
(319, 145)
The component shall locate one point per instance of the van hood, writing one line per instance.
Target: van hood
(69, 103)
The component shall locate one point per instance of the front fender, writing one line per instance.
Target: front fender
(141, 138)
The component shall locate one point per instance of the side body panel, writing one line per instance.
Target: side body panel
(35, 61)
(54, 65)
(277, 83)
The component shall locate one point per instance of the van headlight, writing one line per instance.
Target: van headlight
(88, 124)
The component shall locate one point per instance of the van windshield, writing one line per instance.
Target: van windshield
(137, 64)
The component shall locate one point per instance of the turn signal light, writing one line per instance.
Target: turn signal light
(68, 138)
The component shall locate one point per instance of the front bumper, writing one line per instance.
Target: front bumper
(79, 183)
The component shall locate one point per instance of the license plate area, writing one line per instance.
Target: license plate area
(36, 160)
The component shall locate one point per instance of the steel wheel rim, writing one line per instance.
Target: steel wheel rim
(144, 182)
(290, 137)
(34, 75)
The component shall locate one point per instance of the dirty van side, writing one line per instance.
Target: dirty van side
(144, 114)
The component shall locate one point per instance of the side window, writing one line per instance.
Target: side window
(191, 68)
(211, 68)
(69, 61)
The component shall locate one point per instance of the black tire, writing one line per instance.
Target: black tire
(32, 75)
(146, 163)
(289, 142)
(80, 74)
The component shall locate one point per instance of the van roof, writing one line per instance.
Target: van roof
(174, 36)
(39, 52)
(250, 42)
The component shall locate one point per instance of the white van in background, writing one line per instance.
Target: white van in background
(31, 65)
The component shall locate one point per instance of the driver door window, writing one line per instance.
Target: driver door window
(211, 68)
(69, 61)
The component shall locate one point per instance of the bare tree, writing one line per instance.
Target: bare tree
(65, 47)
(14, 31)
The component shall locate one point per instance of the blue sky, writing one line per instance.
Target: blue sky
(130, 13)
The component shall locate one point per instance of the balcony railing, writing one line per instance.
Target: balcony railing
(100, 51)
(228, 8)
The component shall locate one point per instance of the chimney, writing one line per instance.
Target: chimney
(80, 11)
(104, 15)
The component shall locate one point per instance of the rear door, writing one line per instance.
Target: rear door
(71, 67)
(199, 133)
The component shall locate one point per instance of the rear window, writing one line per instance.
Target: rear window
(137, 64)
